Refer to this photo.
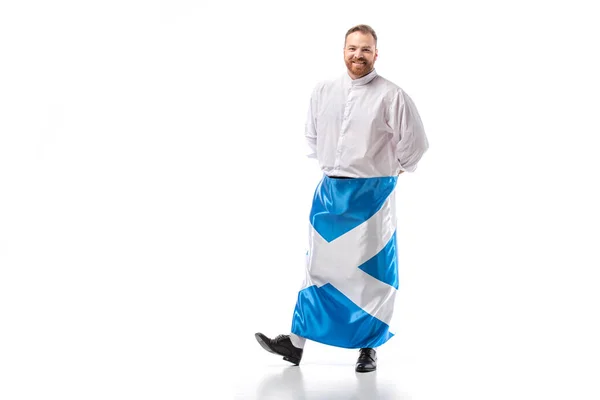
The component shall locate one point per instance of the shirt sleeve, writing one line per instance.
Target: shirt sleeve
(406, 122)
(310, 128)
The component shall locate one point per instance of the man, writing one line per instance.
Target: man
(364, 131)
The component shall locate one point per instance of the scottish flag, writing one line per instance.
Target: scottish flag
(347, 298)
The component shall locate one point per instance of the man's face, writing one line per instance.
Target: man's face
(360, 54)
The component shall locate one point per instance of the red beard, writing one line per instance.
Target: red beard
(358, 69)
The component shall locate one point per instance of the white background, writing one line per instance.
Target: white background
(154, 195)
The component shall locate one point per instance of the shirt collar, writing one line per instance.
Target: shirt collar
(362, 80)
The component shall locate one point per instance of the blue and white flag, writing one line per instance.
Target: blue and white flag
(348, 295)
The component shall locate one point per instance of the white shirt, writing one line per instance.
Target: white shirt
(363, 128)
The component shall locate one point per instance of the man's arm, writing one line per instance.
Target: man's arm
(310, 128)
(412, 142)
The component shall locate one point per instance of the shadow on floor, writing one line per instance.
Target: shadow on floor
(293, 383)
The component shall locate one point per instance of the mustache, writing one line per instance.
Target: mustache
(359, 59)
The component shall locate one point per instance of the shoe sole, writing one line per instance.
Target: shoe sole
(365, 370)
(265, 346)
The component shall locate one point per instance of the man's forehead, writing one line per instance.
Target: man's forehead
(360, 39)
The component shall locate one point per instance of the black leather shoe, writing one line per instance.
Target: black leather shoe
(367, 360)
(281, 345)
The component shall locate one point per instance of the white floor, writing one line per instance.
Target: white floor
(413, 368)
(325, 373)
(318, 381)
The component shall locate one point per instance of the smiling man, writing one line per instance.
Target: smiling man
(360, 53)
(364, 131)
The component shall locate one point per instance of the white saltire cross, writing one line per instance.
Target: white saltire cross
(337, 262)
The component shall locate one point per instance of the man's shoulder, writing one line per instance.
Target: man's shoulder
(326, 86)
(329, 82)
(387, 85)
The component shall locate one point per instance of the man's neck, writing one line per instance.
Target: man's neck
(358, 77)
